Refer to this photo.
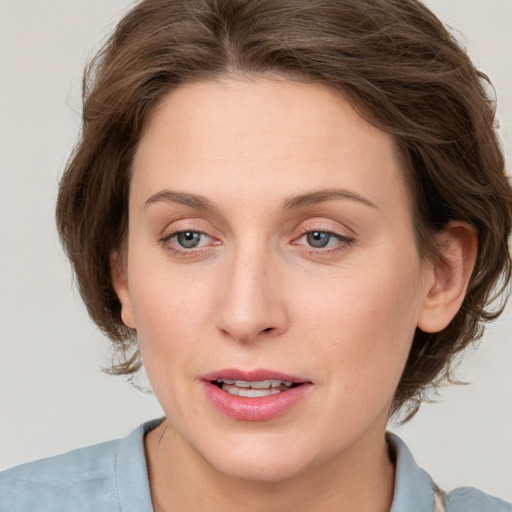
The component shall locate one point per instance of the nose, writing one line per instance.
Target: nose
(252, 303)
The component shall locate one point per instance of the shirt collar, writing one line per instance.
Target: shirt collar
(414, 489)
(131, 471)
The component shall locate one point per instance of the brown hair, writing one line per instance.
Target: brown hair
(396, 63)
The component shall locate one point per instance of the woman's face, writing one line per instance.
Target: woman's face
(270, 239)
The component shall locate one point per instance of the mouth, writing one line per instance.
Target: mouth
(257, 395)
(256, 388)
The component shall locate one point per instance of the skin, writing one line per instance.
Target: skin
(255, 294)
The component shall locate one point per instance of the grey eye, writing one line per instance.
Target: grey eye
(318, 239)
(188, 239)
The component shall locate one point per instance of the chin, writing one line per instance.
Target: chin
(268, 471)
(259, 460)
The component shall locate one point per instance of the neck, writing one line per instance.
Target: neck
(180, 479)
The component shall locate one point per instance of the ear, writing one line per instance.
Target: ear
(120, 284)
(447, 279)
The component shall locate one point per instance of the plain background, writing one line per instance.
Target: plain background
(53, 396)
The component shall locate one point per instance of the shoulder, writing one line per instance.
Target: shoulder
(66, 479)
(415, 489)
(469, 499)
(95, 478)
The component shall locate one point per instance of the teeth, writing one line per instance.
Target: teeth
(253, 393)
(253, 389)
(249, 392)
(257, 384)
(260, 384)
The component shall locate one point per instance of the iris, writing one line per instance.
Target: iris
(188, 239)
(318, 238)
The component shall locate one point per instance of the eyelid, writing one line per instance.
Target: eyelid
(165, 240)
(177, 232)
(335, 234)
(344, 239)
(341, 231)
(196, 224)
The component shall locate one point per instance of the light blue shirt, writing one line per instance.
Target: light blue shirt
(112, 477)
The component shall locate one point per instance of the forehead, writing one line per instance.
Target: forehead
(255, 108)
(259, 134)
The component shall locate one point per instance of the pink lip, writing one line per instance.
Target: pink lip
(253, 409)
(252, 375)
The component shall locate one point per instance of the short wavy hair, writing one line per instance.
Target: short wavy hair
(392, 59)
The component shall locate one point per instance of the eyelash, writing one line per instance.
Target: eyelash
(164, 241)
(343, 242)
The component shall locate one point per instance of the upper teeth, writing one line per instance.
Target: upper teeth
(256, 384)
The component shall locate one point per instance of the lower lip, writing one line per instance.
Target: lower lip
(262, 408)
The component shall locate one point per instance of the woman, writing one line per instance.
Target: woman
(296, 214)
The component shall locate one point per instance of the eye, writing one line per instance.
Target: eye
(324, 239)
(188, 239)
(320, 239)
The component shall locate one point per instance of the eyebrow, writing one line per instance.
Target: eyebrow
(320, 196)
(191, 200)
(309, 199)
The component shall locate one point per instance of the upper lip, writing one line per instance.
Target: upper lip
(258, 374)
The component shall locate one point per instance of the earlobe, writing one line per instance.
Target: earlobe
(449, 276)
(120, 284)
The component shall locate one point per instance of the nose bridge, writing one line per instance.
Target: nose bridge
(251, 304)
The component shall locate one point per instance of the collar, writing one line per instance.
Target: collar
(414, 489)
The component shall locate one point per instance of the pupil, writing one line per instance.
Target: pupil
(318, 239)
(188, 239)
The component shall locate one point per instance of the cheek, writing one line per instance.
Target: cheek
(168, 302)
(363, 328)
(173, 314)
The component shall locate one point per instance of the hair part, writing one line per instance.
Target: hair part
(392, 59)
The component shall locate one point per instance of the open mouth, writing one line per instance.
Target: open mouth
(254, 395)
(254, 389)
